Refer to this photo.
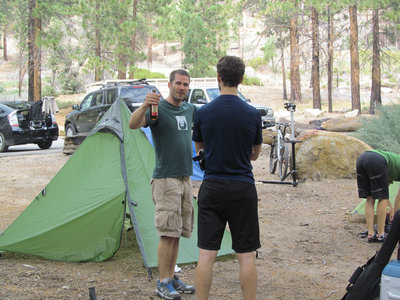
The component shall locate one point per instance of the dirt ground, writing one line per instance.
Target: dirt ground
(309, 240)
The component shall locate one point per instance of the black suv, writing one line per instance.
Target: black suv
(86, 115)
(22, 122)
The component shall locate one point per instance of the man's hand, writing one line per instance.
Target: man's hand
(138, 118)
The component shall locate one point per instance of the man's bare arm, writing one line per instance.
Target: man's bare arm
(198, 146)
(255, 152)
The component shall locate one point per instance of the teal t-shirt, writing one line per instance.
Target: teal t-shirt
(393, 163)
(172, 139)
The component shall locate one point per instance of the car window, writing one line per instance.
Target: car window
(87, 101)
(196, 95)
(111, 95)
(135, 94)
(187, 96)
(97, 99)
(213, 93)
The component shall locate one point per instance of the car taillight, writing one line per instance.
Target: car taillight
(13, 119)
(53, 119)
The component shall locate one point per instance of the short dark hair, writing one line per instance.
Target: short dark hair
(180, 72)
(231, 70)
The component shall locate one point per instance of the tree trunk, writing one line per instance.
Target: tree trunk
(315, 60)
(149, 45)
(330, 59)
(133, 43)
(34, 61)
(97, 71)
(295, 84)
(283, 67)
(5, 55)
(376, 65)
(354, 60)
(121, 56)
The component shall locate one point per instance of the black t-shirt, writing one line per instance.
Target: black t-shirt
(228, 127)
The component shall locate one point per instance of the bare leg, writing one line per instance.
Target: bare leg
(248, 275)
(204, 273)
(174, 258)
(166, 248)
(370, 214)
(381, 215)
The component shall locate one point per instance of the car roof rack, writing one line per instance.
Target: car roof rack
(120, 82)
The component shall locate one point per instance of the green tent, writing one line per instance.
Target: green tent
(393, 188)
(80, 214)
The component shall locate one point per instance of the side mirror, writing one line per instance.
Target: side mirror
(75, 107)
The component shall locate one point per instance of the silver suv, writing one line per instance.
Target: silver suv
(201, 95)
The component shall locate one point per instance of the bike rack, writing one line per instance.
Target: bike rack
(291, 107)
(293, 172)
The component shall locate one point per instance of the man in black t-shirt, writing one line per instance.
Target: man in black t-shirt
(229, 132)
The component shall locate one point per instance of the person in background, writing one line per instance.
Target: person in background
(171, 183)
(377, 169)
(229, 132)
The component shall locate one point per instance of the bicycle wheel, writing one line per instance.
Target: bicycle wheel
(273, 158)
(284, 163)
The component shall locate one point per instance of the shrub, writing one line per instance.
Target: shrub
(252, 81)
(257, 63)
(383, 131)
(48, 90)
(147, 74)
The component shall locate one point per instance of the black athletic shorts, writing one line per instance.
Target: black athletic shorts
(235, 202)
(372, 176)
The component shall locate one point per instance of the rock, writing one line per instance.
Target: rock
(351, 114)
(313, 113)
(268, 136)
(343, 124)
(71, 143)
(324, 154)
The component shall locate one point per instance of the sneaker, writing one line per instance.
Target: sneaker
(381, 238)
(167, 291)
(371, 238)
(182, 287)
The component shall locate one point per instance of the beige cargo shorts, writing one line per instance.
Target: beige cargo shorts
(174, 206)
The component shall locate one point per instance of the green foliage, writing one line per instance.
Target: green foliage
(383, 131)
(2, 87)
(257, 63)
(205, 30)
(64, 104)
(49, 90)
(252, 81)
(147, 74)
(70, 83)
(269, 49)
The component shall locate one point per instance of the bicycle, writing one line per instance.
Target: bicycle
(280, 154)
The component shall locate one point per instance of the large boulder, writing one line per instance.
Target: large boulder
(324, 154)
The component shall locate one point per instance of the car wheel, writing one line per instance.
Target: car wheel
(69, 130)
(45, 144)
(3, 146)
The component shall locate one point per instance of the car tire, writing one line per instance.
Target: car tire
(45, 144)
(3, 146)
(69, 130)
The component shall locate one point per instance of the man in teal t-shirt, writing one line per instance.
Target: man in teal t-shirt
(376, 169)
(171, 183)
